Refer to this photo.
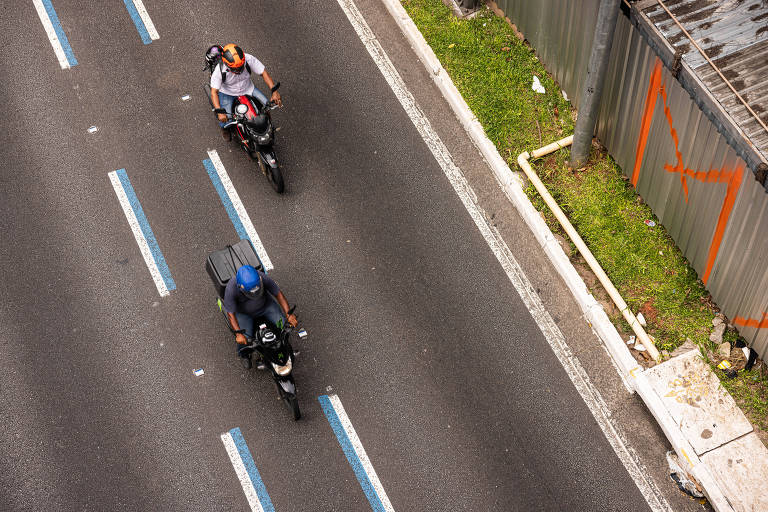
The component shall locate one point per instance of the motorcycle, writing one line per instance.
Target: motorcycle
(270, 343)
(275, 351)
(251, 123)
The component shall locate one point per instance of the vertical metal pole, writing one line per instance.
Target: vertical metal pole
(593, 85)
(468, 5)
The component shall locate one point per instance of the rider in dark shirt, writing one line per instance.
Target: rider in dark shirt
(253, 294)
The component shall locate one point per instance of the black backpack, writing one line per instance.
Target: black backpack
(213, 58)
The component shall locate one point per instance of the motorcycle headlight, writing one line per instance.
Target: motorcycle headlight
(283, 370)
(264, 139)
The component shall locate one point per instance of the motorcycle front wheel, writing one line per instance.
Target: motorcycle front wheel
(275, 178)
(273, 174)
(293, 405)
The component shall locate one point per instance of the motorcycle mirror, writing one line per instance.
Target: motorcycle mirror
(275, 87)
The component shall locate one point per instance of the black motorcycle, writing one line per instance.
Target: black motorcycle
(250, 122)
(273, 349)
(271, 344)
(251, 125)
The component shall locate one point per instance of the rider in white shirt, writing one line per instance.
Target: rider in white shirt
(232, 78)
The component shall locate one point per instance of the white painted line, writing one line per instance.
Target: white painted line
(514, 272)
(55, 43)
(355, 453)
(241, 472)
(151, 30)
(240, 209)
(133, 222)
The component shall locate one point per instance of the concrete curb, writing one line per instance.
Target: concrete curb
(512, 185)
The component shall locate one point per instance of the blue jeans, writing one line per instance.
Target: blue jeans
(226, 101)
(272, 313)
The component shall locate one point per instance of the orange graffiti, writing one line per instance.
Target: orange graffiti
(751, 322)
(650, 105)
(731, 177)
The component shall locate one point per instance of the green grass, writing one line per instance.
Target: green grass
(494, 71)
(750, 390)
(642, 261)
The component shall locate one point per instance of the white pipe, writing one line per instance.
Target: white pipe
(522, 160)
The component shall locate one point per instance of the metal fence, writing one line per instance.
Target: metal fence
(698, 186)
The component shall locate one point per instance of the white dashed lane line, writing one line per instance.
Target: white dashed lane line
(143, 234)
(55, 32)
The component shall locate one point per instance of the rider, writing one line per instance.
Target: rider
(232, 78)
(250, 295)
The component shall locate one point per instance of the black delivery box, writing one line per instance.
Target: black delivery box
(222, 265)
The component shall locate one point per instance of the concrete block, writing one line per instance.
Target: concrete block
(740, 469)
(706, 414)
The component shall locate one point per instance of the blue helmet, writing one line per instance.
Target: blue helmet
(248, 280)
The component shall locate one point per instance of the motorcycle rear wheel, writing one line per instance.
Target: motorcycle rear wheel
(293, 405)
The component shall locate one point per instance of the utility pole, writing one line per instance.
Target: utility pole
(593, 85)
(469, 5)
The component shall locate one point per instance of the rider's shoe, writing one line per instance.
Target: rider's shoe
(226, 134)
(259, 362)
(246, 362)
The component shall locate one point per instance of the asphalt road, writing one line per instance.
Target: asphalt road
(412, 322)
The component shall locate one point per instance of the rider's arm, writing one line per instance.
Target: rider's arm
(275, 291)
(283, 302)
(230, 306)
(236, 326)
(233, 321)
(216, 104)
(215, 86)
(270, 83)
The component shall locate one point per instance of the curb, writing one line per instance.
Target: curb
(512, 184)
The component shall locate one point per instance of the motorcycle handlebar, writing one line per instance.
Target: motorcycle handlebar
(271, 105)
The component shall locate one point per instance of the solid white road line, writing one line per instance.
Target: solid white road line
(149, 259)
(151, 30)
(58, 49)
(240, 209)
(242, 473)
(355, 453)
(514, 272)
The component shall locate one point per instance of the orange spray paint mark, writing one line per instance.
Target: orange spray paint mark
(732, 177)
(645, 126)
(751, 322)
(679, 166)
(734, 183)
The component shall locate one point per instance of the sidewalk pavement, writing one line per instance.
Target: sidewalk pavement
(712, 437)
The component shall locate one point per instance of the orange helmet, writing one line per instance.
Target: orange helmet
(234, 58)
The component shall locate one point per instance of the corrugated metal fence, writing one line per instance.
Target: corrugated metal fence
(705, 195)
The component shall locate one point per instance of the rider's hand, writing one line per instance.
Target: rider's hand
(222, 117)
(240, 339)
(292, 320)
(277, 99)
